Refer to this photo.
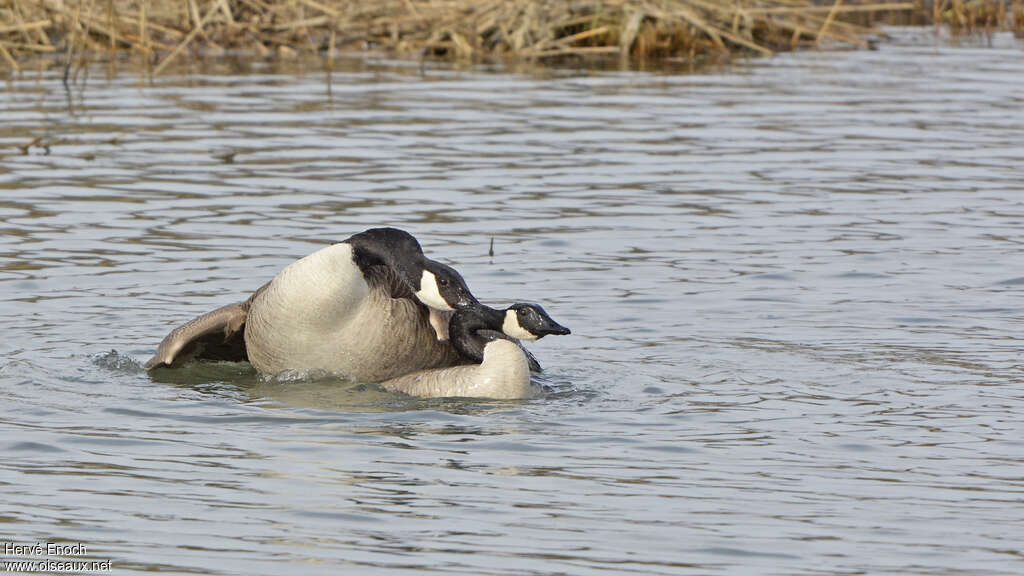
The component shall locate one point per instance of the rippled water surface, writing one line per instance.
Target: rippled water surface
(796, 290)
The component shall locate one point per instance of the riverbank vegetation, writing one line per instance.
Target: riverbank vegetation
(535, 30)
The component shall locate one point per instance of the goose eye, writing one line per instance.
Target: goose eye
(443, 281)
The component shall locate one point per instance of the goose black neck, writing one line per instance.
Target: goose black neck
(471, 329)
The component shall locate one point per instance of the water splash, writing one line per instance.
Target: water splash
(117, 362)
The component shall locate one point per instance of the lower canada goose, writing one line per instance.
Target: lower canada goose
(501, 367)
(368, 309)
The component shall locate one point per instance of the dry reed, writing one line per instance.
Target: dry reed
(161, 32)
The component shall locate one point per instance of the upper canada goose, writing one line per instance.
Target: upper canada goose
(502, 368)
(366, 309)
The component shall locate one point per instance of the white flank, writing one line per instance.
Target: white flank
(294, 324)
(504, 374)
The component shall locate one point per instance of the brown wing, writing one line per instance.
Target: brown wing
(217, 335)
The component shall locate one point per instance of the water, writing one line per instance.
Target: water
(794, 285)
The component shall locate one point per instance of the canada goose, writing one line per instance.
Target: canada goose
(502, 368)
(368, 308)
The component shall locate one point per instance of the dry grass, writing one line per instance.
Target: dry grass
(161, 31)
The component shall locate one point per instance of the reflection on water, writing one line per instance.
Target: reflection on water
(794, 287)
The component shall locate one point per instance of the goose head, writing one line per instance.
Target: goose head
(441, 287)
(530, 322)
(474, 327)
(436, 285)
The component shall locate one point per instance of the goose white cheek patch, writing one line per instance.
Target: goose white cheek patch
(429, 294)
(513, 328)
